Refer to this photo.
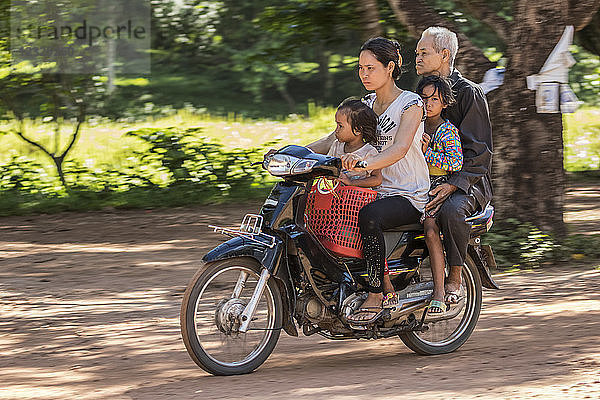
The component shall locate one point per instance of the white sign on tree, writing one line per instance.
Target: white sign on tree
(552, 82)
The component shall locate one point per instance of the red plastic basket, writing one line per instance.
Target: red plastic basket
(332, 215)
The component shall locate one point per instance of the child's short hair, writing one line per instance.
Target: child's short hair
(441, 86)
(362, 118)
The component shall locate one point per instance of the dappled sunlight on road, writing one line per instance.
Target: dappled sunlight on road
(92, 314)
(581, 209)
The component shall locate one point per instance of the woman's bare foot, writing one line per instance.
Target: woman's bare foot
(369, 308)
(450, 287)
(390, 299)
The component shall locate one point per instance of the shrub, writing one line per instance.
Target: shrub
(517, 243)
(174, 167)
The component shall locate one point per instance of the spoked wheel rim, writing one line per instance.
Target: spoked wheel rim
(216, 317)
(446, 332)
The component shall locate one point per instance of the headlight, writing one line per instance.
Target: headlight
(281, 164)
(303, 166)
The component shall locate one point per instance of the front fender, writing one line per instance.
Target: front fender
(243, 247)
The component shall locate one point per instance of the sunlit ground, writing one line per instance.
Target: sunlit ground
(89, 309)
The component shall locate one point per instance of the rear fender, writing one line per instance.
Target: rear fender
(484, 259)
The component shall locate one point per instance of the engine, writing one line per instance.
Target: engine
(309, 307)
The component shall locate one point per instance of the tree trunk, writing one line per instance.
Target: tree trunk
(111, 52)
(325, 75)
(528, 174)
(416, 16)
(285, 94)
(58, 161)
(589, 37)
(369, 18)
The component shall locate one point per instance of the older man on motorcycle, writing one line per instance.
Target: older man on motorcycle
(470, 188)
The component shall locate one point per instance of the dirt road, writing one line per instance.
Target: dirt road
(89, 307)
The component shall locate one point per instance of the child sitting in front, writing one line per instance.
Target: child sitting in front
(355, 132)
(443, 153)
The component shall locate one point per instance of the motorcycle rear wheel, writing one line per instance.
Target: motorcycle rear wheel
(440, 339)
(210, 316)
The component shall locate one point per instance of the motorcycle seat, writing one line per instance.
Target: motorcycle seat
(482, 221)
(406, 228)
(479, 218)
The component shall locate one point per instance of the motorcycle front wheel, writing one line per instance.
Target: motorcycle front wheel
(448, 335)
(211, 316)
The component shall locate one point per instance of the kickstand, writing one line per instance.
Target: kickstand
(422, 327)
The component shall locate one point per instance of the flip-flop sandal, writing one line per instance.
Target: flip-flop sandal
(435, 305)
(454, 296)
(390, 300)
(378, 311)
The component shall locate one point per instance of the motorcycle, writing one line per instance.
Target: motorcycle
(274, 274)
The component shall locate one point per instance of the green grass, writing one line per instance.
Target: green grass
(104, 145)
(582, 140)
(137, 198)
(104, 142)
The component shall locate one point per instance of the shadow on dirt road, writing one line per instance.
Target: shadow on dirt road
(89, 309)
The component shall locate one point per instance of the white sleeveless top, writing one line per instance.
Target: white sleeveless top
(337, 150)
(408, 177)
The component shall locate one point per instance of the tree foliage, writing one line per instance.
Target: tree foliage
(278, 55)
(36, 88)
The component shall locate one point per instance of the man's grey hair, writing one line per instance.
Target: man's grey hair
(443, 38)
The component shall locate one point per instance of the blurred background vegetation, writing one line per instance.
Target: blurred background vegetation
(228, 79)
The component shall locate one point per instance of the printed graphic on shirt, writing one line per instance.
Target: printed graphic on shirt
(408, 177)
(385, 123)
(382, 141)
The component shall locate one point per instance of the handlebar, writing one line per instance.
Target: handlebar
(299, 161)
(359, 164)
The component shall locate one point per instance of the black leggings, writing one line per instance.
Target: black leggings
(373, 219)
